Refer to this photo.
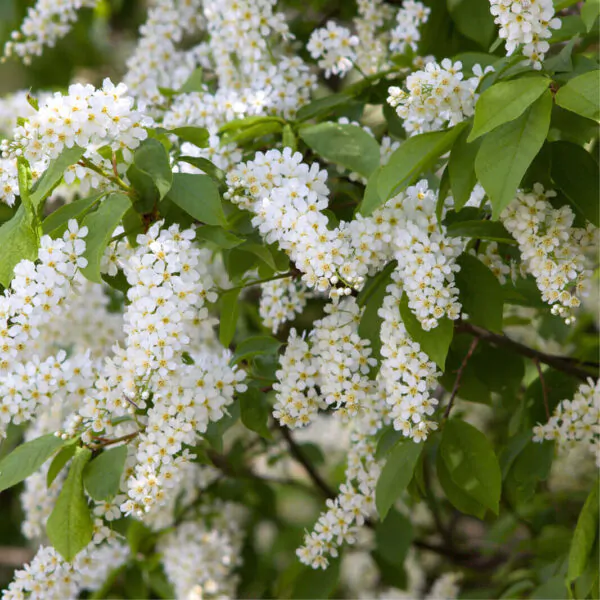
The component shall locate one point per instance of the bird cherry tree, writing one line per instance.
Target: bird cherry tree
(302, 301)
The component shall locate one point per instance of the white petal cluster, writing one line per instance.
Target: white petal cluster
(490, 256)
(156, 61)
(527, 24)
(49, 577)
(371, 51)
(575, 422)
(200, 560)
(407, 376)
(445, 587)
(280, 301)
(406, 34)
(45, 23)
(555, 252)
(335, 48)
(435, 97)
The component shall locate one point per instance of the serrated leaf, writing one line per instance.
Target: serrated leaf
(102, 475)
(18, 241)
(229, 315)
(253, 346)
(507, 152)
(471, 463)
(482, 230)
(27, 459)
(504, 102)
(396, 475)
(101, 225)
(576, 173)
(70, 526)
(195, 135)
(198, 195)
(580, 95)
(480, 293)
(59, 461)
(55, 224)
(347, 145)
(461, 169)
(434, 343)
(415, 156)
(53, 174)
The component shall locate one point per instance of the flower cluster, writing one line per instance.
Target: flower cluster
(407, 376)
(45, 23)
(575, 422)
(552, 249)
(527, 24)
(406, 34)
(280, 301)
(199, 559)
(371, 51)
(436, 97)
(489, 255)
(49, 577)
(334, 47)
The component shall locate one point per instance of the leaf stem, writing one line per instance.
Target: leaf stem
(459, 375)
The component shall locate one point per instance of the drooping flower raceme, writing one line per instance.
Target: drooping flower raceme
(45, 23)
(406, 33)
(436, 97)
(334, 47)
(280, 301)
(575, 422)
(555, 252)
(525, 24)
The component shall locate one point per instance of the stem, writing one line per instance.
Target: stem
(259, 281)
(124, 438)
(459, 375)
(84, 162)
(544, 388)
(314, 475)
(560, 363)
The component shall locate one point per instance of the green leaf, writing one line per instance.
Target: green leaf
(471, 463)
(253, 346)
(70, 526)
(457, 497)
(193, 83)
(18, 241)
(59, 461)
(52, 176)
(507, 152)
(268, 126)
(216, 174)
(434, 343)
(416, 155)
(199, 196)
(322, 106)
(55, 224)
(195, 135)
(27, 459)
(482, 230)
(590, 11)
(531, 466)
(461, 169)
(580, 95)
(480, 293)
(371, 199)
(396, 475)
(255, 411)
(316, 583)
(473, 19)
(101, 225)
(152, 160)
(576, 173)
(229, 315)
(584, 537)
(347, 145)
(218, 236)
(504, 102)
(393, 537)
(102, 476)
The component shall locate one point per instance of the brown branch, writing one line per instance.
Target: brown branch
(560, 363)
(459, 375)
(314, 475)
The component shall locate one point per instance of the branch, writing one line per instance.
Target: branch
(544, 388)
(314, 475)
(560, 363)
(459, 375)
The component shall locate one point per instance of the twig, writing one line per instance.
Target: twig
(124, 438)
(560, 363)
(459, 375)
(259, 281)
(314, 475)
(536, 362)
